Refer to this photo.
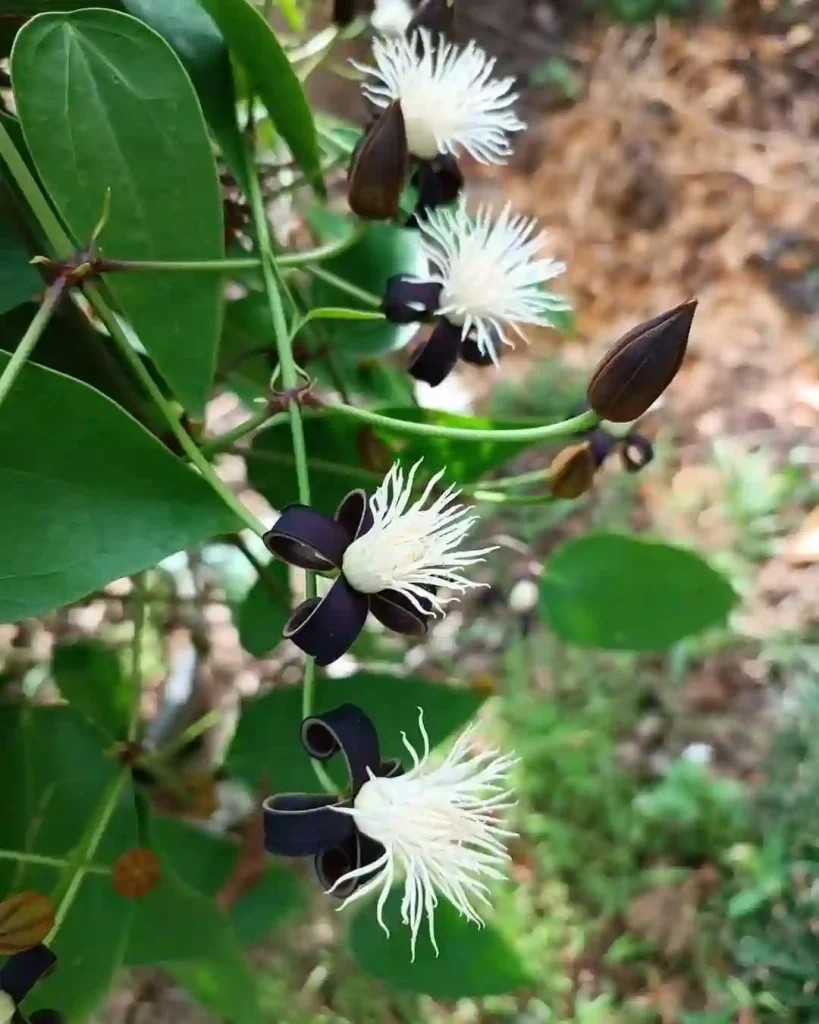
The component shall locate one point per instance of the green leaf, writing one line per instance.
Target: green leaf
(266, 747)
(206, 861)
(473, 962)
(199, 45)
(105, 104)
(620, 593)
(19, 281)
(254, 45)
(248, 328)
(88, 495)
(264, 611)
(56, 761)
(90, 677)
(176, 925)
(338, 450)
(382, 252)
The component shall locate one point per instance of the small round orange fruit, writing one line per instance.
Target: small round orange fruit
(136, 873)
(26, 918)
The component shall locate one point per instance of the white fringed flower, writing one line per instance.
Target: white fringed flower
(440, 829)
(449, 99)
(411, 548)
(391, 17)
(490, 271)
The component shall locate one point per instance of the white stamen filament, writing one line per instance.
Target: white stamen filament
(440, 831)
(410, 548)
(449, 99)
(491, 272)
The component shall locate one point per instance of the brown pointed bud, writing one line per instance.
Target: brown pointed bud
(572, 471)
(379, 167)
(434, 15)
(136, 873)
(640, 366)
(25, 920)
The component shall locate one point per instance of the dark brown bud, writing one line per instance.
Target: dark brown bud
(434, 15)
(640, 366)
(572, 471)
(379, 167)
(344, 11)
(25, 920)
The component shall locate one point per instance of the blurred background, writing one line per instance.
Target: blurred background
(668, 862)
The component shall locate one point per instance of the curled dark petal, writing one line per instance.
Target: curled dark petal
(302, 825)
(439, 183)
(434, 15)
(21, 972)
(397, 613)
(470, 353)
(636, 452)
(308, 539)
(435, 360)
(349, 729)
(358, 851)
(46, 1017)
(408, 302)
(343, 11)
(354, 514)
(327, 627)
(602, 444)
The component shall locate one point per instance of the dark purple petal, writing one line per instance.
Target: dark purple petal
(327, 627)
(358, 851)
(397, 613)
(354, 514)
(470, 353)
(349, 729)
(308, 539)
(390, 769)
(408, 302)
(21, 972)
(434, 360)
(636, 452)
(439, 182)
(302, 825)
(602, 444)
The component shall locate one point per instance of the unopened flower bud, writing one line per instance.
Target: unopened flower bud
(434, 15)
(136, 873)
(26, 918)
(379, 167)
(572, 471)
(640, 366)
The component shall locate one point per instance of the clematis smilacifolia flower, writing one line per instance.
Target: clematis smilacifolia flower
(437, 100)
(18, 976)
(485, 282)
(436, 829)
(393, 551)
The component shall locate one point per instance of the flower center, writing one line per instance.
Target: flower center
(426, 119)
(471, 287)
(371, 566)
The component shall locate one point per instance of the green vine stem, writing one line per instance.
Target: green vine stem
(50, 862)
(508, 483)
(77, 867)
(140, 609)
(64, 249)
(31, 337)
(522, 500)
(364, 297)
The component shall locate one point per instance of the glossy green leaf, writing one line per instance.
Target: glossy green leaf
(176, 925)
(254, 45)
(19, 281)
(105, 104)
(620, 593)
(247, 353)
(60, 771)
(382, 252)
(264, 611)
(205, 861)
(473, 962)
(88, 495)
(90, 677)
(199, 45)
(267, 748)
(339, 449)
